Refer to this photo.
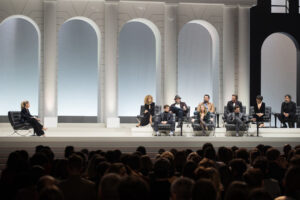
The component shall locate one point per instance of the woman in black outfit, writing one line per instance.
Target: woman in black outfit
(33, 121)
(149, 111)
(203, 117)
(259, 111)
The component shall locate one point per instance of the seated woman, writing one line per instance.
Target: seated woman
(33, 121)
(149, 111)
(203, 116)
(259, 111)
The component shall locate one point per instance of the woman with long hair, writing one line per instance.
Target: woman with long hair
(203, 116)
(149, 111)
(33, 121)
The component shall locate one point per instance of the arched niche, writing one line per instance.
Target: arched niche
(279, 69)
(78, 68)
(19, 63)
(139, 65)
(198, 62)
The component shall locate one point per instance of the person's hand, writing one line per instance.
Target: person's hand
(146, 111)
(184, 108)
(164, 122)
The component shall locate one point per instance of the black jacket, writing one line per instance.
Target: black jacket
(289, 108)
(25, 115)
(262, 108)
(166, 117)
(230, 106)
(150, 110)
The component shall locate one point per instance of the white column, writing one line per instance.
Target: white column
(49, 71)
(170, 38)
(110, 61)
(244, 56)
(229, 51)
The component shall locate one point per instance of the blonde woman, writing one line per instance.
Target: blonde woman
(33, 121)
(149, 111)
(203, 116)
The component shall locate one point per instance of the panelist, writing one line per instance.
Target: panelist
(149, 111)
(180, 109)
(208, 105)
(259, 111)
(234, 102)
(33, 121)
(288, 112)
(203, 116)
(238, 118)
(165, 118)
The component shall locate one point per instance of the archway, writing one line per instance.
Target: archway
(19, 63)
(78, 68)
(198, 62)
(139, 65)
(278, 69)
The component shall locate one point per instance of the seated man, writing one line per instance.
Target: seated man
(180, 109)
(238, 118)
(234, 102)
(288, 112)
(165, 118)
(208, 105)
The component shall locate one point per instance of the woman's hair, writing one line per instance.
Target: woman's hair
(199, 109)
(24, 103)
(146, 99)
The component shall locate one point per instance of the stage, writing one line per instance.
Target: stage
(128, 137)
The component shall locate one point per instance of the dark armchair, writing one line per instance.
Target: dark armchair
(14, 118)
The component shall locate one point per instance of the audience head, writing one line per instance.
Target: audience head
(109, 187)
(237, 167)
(243, 154)
(166, 108)
(262, 163)
(146, 165)
(46, 181)
(204, 189)
(117, 168)
(162, 168)
(225, 155)
(182, 188)
(254, 178)
(75, 164)
(51, 193)
(291, 182)
(259, 194)
(286, 149)
(272, 154)
(69, 150)
(133, 188)
(254, 153)
(188, 169)
(237, 190)
(142, 150)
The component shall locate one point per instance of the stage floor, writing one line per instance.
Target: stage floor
(128, 137)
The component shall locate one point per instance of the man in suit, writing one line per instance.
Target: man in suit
(76, 187)
(180, 109)
(234, 102)
(165, 118)
(288, 112)
(238, 118)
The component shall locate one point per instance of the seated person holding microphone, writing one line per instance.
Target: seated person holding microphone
(165, 118)
(180, 109)
(208, 105)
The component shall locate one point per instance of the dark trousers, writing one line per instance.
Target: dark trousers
(146, 119)
(156, 123)
(290, 120)
(179, 113)
(37, 127)
(238, 123)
